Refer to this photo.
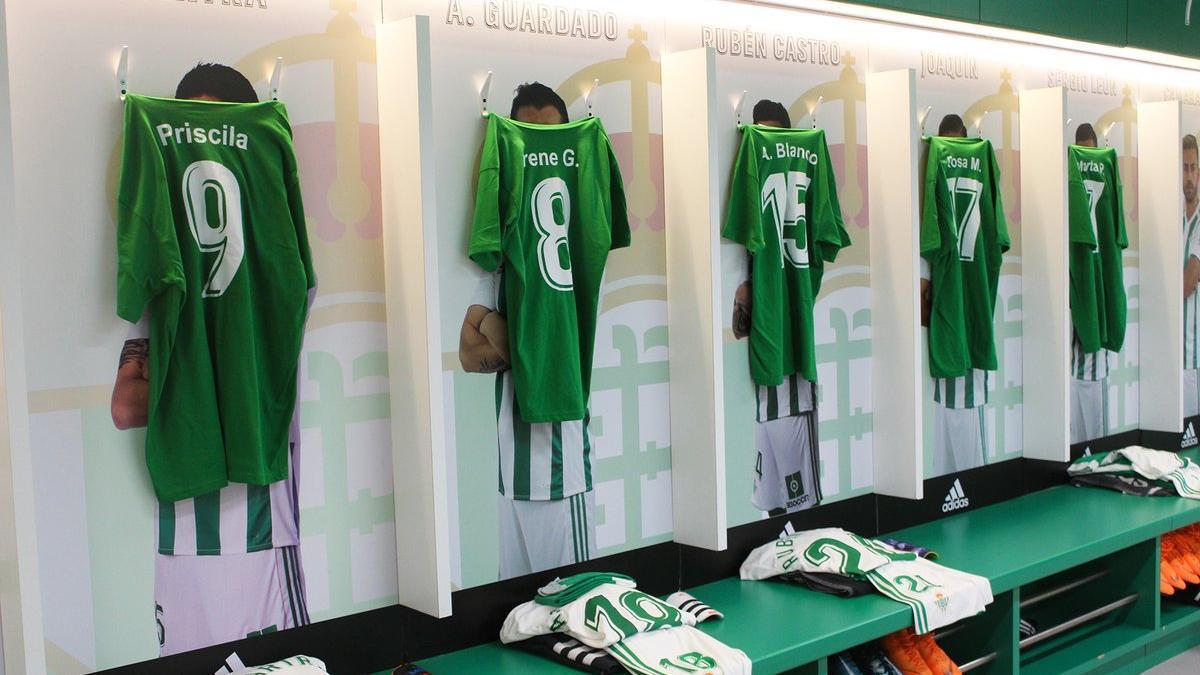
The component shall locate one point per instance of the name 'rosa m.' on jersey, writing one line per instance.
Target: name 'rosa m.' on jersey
(783, 208)
(1098, 237)
(963, 236)
(211, 241)
(550, 206)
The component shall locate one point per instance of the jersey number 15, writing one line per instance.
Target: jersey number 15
(784, 194)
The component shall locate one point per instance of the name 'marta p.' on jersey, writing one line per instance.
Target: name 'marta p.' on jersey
(550, 206)
(211, 241)
(783, 207)
(964, 237)
(1097, 234)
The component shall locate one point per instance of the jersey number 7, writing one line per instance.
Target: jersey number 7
(966, 220)
(1095, 188)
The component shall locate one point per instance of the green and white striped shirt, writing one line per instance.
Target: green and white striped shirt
(793, 397)
(543, 461)
(1091, 367)
(968, 391)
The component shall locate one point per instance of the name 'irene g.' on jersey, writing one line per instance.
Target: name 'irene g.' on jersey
(549, 158)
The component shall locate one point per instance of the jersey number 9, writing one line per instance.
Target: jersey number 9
(213, 201)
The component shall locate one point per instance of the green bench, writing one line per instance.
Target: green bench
(1028, 547)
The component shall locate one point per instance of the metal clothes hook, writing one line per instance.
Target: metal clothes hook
(276, 76)
(979, 123)
(484, 92)
(587, 100)
(737, 108)
(123, 74)
(924, 116)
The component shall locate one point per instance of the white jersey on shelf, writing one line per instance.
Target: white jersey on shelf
(601, 617)
(831, 549)
(295, 665)
(937, 595)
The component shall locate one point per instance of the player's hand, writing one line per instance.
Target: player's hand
(742, 304)
(926, 302)
(495, 329)
(131, 395)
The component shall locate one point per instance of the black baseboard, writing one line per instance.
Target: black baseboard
(1121, 440)
(953, 493)
(380, 639)
(1166, 440)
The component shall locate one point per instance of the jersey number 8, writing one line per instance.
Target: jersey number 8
(213, 201)
(552, 216)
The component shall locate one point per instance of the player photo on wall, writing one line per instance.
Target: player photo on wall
(549, 207)
(1191, 277)
(222, 442)
(1096, 227)
(783, 208)
(964, 236)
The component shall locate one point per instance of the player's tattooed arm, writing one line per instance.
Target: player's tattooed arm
(742, 305)
(131, 391)
(1191, 276)
(476, 352)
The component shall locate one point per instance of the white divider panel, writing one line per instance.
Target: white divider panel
(413, 325)
(694, 298)
(898, 368)
(1045, 276)
(1160, 274)
(21, 647)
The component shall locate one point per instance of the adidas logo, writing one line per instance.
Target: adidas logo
(956, 499)
(788, 530)
(1189, 436)
(1087, 452)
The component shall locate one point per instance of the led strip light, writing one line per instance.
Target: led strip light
(922, 22)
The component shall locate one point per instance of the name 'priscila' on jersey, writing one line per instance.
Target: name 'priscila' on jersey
(187, 134)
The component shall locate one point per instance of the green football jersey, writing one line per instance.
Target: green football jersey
(1097, 237)
(550, 206)
(211, 241)
(964, 237)
(783, 207)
